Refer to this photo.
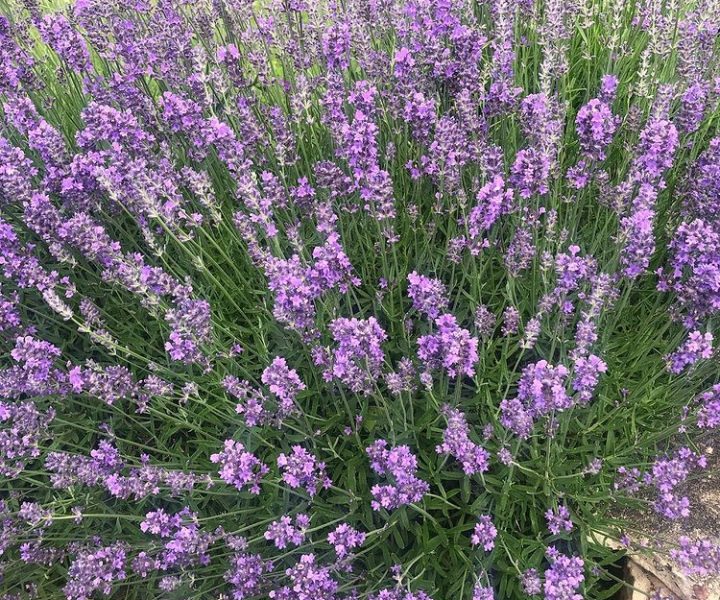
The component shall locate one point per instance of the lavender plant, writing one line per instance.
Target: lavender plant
(386, 300)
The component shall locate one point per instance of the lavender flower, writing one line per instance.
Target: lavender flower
(530, 582)
(484, 533)
(587, 371)
(484, 321)
(563, 577)
(709, 413)
(301, 469)
(697, 557)
(283, 532)
(481, 592)
(24, 428)
(693, 274)
(596, 126)
(358, 358)
(697, 346)
(457, 443)
(245, 574)
(284, 384)
(452, 348)
(307, 580)
(530, 173)
(95, 570)
(559, 520)
(344, 538)
(493, 200)
(400, 465)
(429, 296)
(511, 321)
(239, 467)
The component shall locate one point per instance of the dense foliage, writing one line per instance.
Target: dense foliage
(386, 299)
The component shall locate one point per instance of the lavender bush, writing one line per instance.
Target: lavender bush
(370, 299)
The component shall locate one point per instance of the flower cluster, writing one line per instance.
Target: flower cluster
(357, 360)
(344, 538)
(564, 576)
(294, 295)
(456, 442)
(541, 391)
(452, 348)
(484, 533)
(239, 467)
(302, 469)
(400, 465)
(429, 295)
(284, 532)
(558, 520)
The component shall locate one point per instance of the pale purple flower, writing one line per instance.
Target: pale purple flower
(344, 538)
(697, 346)
(246, 574)
(95, 569)
(530, 582)
(596, 126)
(564, 577)
(452, 348)
(358, 358)
(308, 581)
(429, 295)
(239, 467)
(587, 372)
(482, 592)
(456, 442)
(700, 557)
(558, 520)
(400, 466)
(484, 533)
(302, 469)
(284, 383)
(284, 532)
(709, 413)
